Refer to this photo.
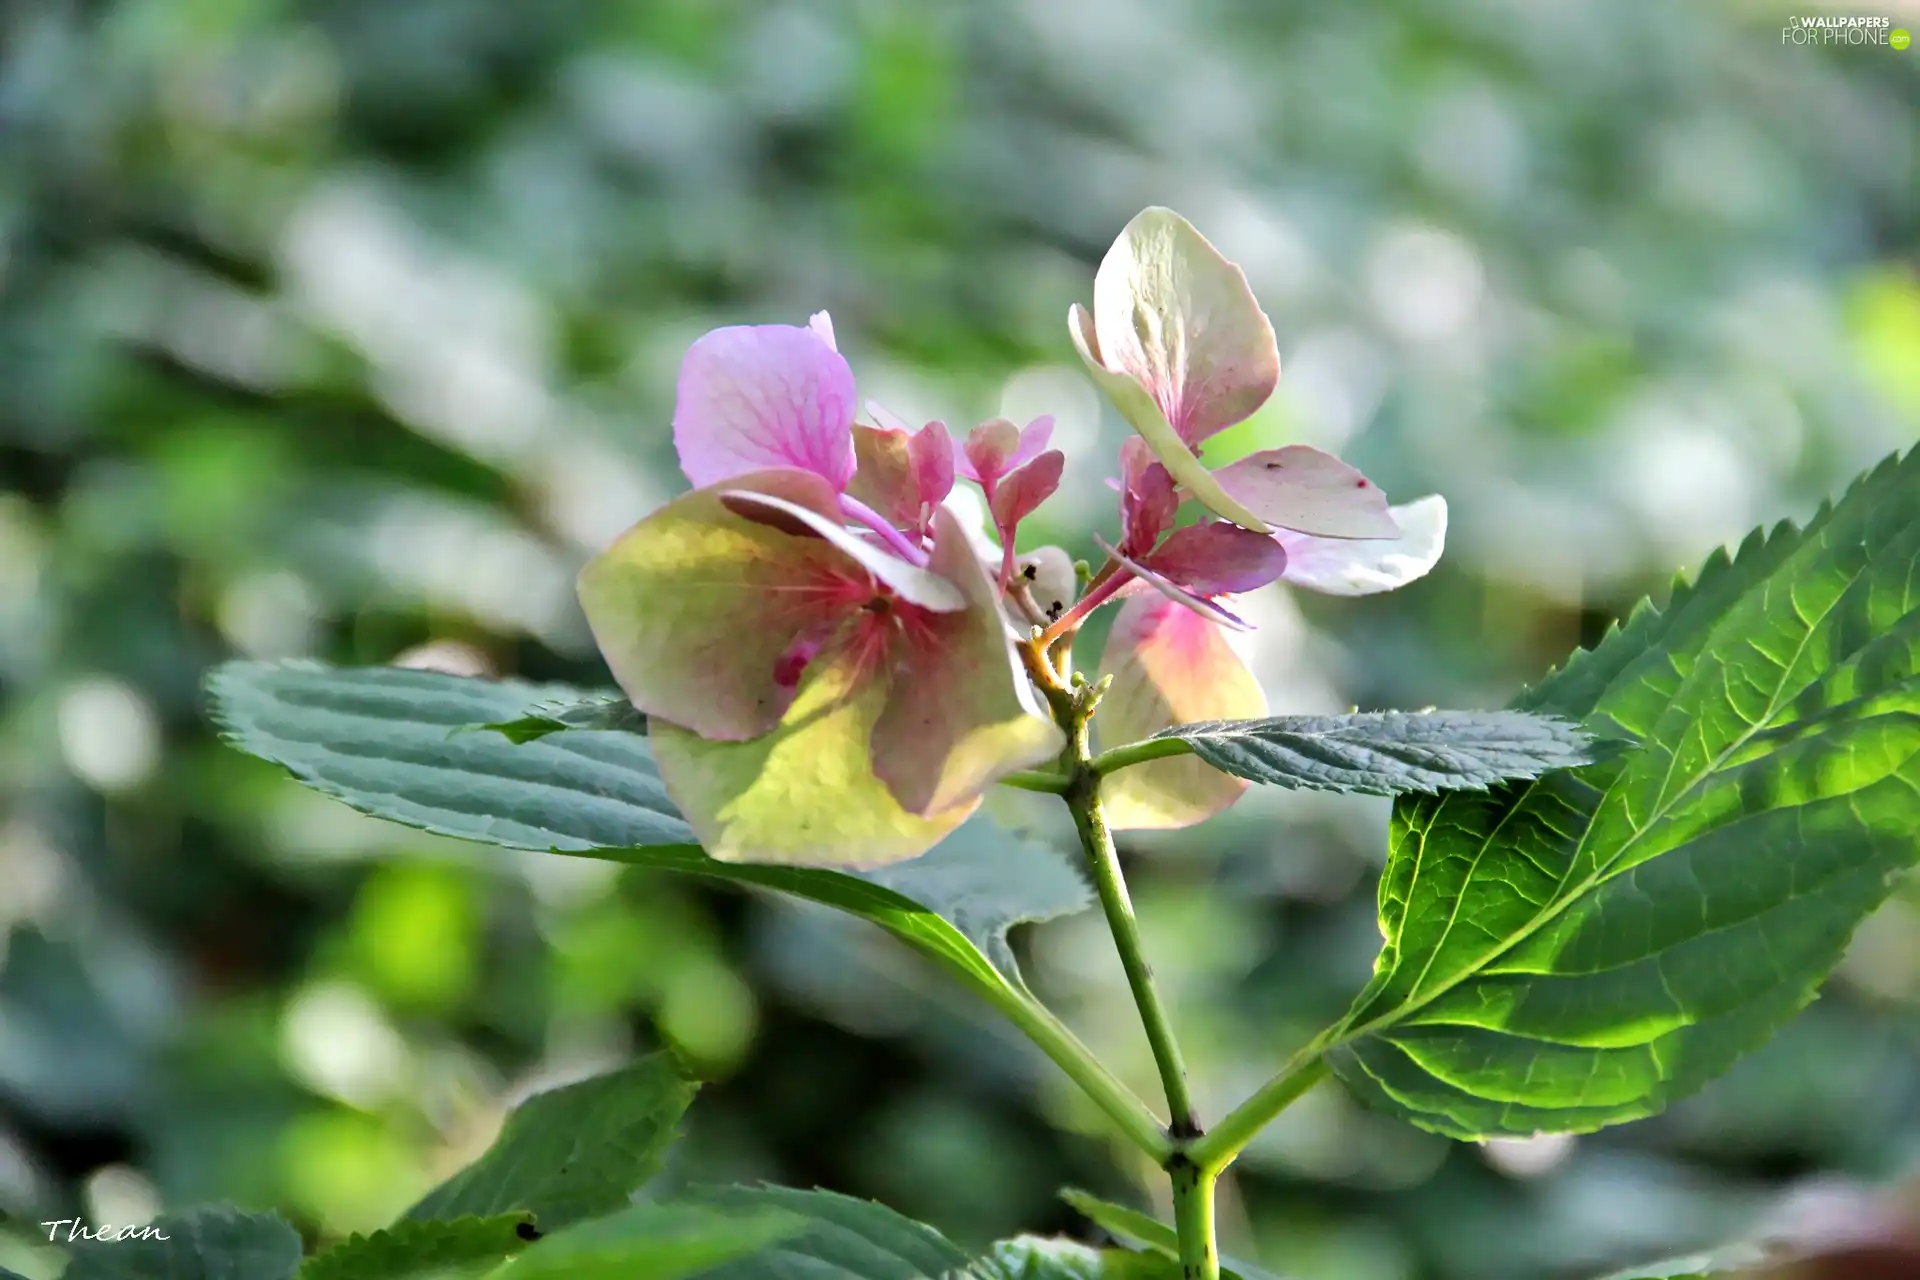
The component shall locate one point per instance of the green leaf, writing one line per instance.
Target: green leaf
(652, 1242)
(1040, 1258)
(214, 1243)
(1385, 753)
(410, 1247)
(1735, 1259)
(608, 712)
(1579, 951)
(1143, 1231)
(385, 740)
(841, 1238)
(572, 1153)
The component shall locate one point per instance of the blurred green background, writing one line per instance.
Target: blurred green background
(348, 328)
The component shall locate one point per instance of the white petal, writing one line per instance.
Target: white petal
(1364, 567)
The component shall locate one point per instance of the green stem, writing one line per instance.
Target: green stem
(1215, 1150)
(1137, 753)
(1130, 1115)
(1084, 800)
(1039, 780)
(1193, 1189)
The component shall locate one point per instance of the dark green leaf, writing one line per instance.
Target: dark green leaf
(215, 1243)
(1386, 753)
(605, 712)
(410, 1247)
(572, 1153)
(652, 1242)
(843, 1238)
(1581, 950)
(386, 741)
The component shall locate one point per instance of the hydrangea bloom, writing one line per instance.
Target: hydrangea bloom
(829, 656)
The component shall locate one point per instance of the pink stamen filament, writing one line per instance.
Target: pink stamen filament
(1118, 576)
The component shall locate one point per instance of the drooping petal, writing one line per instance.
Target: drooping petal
(959, 711)
(804, 794)
(1345, 567)
(1176, 316)
(1301, 488)
(920, 586)
(696, 606)
(1140, 410)
(1144, 576)
(757, 396)
(1217, 559)
(1021, 490)
(1169, 666)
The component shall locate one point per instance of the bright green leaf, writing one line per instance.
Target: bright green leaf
(1582, 950)
(410, 1247)
(842, 1239)
(1387, 753)
(1040, 1258)
(387, 741)
(214, 1243)
(572, 1153)
(652, 1242)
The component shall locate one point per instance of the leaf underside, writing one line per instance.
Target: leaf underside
(1387, 753)
(1579, 951)
(399, 744)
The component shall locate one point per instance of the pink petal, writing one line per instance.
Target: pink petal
(1207, 608)
(1217, 559)
(989, 450)
(1148, 502)
(1303, 489)
(884, 478)
(822, 325)
(1179, 319)
(1020, 491)
(959, 712)
(697, 608)
(930, 450)
(1169, 667)
(758, 396)
(923, 587)
(1347, 567)
(1034, 438)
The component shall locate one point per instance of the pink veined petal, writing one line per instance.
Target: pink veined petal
(1148, 501)
(1205, 607)
(1169, 667)
(1303, 489)
(697, 608)
(758, 396)
(1021, 491)
(1173, 314)
(923, 587)
(1348, 567)
(1034, 438)
(1217, 559)
(931, 452)
(960, 712)
(822, 325)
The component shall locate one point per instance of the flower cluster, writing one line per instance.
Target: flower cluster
(826, 649)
